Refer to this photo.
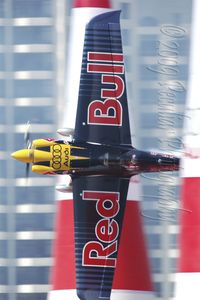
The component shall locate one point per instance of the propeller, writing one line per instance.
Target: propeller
(28, 144)
(27, 140)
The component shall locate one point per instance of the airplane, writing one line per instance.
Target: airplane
(99, 158)
(79, 158)
(101, 143)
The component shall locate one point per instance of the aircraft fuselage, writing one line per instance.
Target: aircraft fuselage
(80, 158)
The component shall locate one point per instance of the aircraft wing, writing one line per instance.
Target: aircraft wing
(102, 112)
(102, 117)
(99, 204)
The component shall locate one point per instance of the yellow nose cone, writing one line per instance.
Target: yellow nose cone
(25, 155)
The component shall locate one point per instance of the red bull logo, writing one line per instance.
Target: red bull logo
(108, 111)
(99, 253)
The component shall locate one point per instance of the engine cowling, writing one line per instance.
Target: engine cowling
(53, 157)
(42, 143)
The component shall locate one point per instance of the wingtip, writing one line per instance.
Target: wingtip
(91, 3)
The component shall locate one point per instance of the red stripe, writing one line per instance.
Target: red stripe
(132, 271)
(190, 226)
(63, 272)
(111, 57)
(92, 3)
(105, 68)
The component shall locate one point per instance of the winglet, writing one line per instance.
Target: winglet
(92, 3)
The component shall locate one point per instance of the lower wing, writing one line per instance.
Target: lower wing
(110, 252)
(131, 279)
(99, 204)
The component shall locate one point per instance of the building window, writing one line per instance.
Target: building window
(148, 21)
(173, 263)
(33, 35)
(148, 45)
(154, 241)
(32, 61)
(146, 74)
(34, 221)
(33, 248)
(32, 275)
(3, 169)
(32, 8)
(2, 9)
(150, 143)
(38, 115)
(4, 296)
(2, 88)
(148, 96)
(2, 115)
(158, 288)
(148, 120)
(35, 195)
(34, 296)
(162, 120)
(127, 62)
(3, 276)
(3, 222)
(34, 88)
(156, 265)
(3, 249)
(2, 33)
(126, 10)
(126, 39)
(153, 96)
(3, 141)
(2, 62)
(3, 195)
(184, 45)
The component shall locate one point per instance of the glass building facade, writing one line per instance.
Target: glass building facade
(32, 55)
(156, 45)
(33, 48)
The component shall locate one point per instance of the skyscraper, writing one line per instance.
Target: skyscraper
(156, 43)
(32, 39)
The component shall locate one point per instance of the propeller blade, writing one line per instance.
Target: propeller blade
(27, 170)
(28, 145)
(27, 140)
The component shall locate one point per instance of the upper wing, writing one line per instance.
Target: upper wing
(102, 113)
(99, 204)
